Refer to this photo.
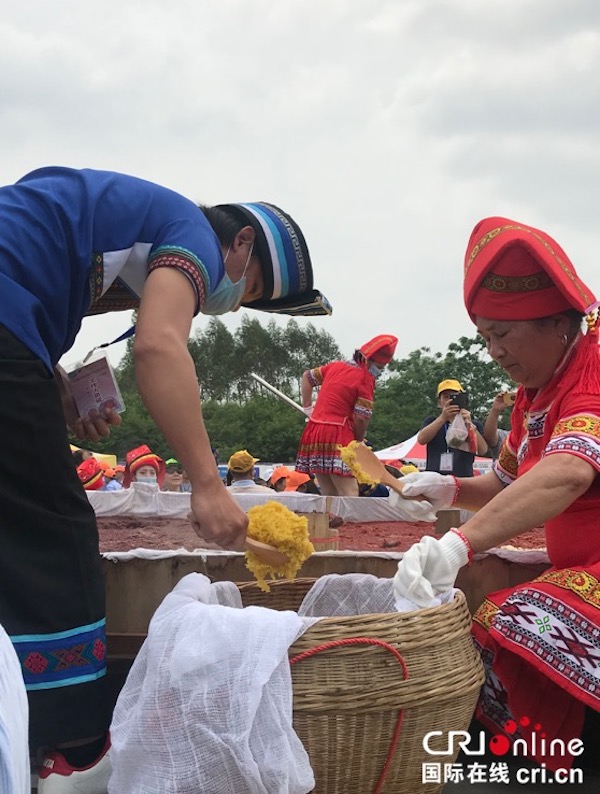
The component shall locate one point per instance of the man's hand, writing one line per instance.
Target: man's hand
(449, 411)
(91, 428)
(217, 518)
(94, 426)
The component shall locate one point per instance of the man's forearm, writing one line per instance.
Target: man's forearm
(427, 433)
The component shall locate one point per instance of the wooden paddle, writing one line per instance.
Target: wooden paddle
(371, 465)
(268, 554)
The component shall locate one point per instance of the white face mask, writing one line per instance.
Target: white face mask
(227, 296)
(149, 480)
(375, 371)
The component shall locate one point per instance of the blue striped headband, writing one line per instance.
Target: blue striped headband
(285, 260)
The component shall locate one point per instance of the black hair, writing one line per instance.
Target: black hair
(225, 224)
(574, 316)
(77, 457)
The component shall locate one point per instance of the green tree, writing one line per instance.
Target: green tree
(214, 352)
(239, 413)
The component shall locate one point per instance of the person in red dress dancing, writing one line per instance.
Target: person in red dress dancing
(341, 414)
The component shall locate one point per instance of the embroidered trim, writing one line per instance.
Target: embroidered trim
(583, 423)
(118, 297)
(97, 277)
(583, 584)
(517, 284)
(188, 263)
(493, 233)
(486, 614)
(581, 447)
(315, 376)
(506, 464)
(50, 661)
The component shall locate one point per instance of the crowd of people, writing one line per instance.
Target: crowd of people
(243, 476)
(75, 243)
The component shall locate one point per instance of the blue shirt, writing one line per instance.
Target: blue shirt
(74, 243)
(113, 485)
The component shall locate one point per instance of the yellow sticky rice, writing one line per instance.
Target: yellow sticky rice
(348, 455)
(274, 524)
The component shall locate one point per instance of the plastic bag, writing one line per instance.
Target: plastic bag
(457, 433)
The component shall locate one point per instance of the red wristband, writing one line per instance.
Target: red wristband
(456, 482)
(465, 540)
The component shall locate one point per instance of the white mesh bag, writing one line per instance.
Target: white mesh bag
(348, 594)
(207, 705)
(338, 595)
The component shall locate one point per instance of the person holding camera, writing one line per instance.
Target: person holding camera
(494, 435)
(442, 458)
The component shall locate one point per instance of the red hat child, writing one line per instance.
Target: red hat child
(91, 474)
(142, 456)
(380, 349)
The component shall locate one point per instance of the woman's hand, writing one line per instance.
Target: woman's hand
(429, 568)
(440, 490)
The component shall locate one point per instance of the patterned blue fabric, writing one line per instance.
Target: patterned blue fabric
(64, 658)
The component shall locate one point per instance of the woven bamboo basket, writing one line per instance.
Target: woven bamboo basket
(368, 688)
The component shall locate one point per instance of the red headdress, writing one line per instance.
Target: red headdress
(380, 349)
(142, 456)
(91, 474)
(515, 272)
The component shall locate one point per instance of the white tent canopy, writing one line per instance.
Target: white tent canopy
(407, 450)
(417, 453)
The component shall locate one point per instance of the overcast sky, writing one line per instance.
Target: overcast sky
(386, 129)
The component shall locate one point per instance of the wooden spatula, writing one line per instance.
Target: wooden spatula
(267, 553)
(372, 466)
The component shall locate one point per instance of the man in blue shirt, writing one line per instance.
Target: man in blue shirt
(75, 243)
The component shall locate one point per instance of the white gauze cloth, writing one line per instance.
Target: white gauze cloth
(207, 705)
(339, 595)
(14, 722)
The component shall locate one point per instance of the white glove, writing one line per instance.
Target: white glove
(411, 509)
(429, 568)
(308, 411)
(439, 489)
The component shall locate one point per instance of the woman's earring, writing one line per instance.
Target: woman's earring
(565, 339)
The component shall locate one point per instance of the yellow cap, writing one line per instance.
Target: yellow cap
(242, 461)
(449, 385)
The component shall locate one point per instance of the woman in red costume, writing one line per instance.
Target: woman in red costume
(341, 413)
(540, 641)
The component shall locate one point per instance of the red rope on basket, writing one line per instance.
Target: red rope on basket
(367, 641)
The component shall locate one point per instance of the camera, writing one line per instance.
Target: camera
(461, 399)
(508, 397)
